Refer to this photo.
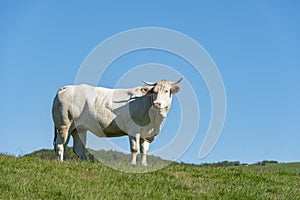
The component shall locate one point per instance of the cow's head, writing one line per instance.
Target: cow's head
(161, 92)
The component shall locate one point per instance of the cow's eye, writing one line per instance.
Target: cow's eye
(166, 91)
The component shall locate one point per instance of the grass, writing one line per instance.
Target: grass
(31, 177)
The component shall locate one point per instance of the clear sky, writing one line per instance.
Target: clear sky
(255, 45)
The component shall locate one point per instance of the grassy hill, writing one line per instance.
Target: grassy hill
(39, 176)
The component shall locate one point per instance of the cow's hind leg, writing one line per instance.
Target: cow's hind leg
(79, 142)
(61, 140)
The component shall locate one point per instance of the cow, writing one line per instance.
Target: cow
(136, 112)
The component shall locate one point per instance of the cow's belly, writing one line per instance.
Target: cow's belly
(108, 132)
(101, 127)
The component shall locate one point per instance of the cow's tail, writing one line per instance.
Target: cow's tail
(55, 136)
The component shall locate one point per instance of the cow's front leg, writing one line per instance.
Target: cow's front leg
(134, 146)
(144, 148)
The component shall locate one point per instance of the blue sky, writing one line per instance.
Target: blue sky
(255, 45)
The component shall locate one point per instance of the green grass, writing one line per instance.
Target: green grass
(31, 177)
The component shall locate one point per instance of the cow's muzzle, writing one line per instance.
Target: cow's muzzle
(157, 104)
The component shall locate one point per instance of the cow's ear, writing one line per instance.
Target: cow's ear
(147, 90)
(175, 89)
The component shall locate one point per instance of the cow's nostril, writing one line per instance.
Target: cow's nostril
(157, 104)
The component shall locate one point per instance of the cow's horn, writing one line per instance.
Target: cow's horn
(176, 82)
(149, 83)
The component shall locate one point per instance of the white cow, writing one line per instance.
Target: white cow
(137, 112)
